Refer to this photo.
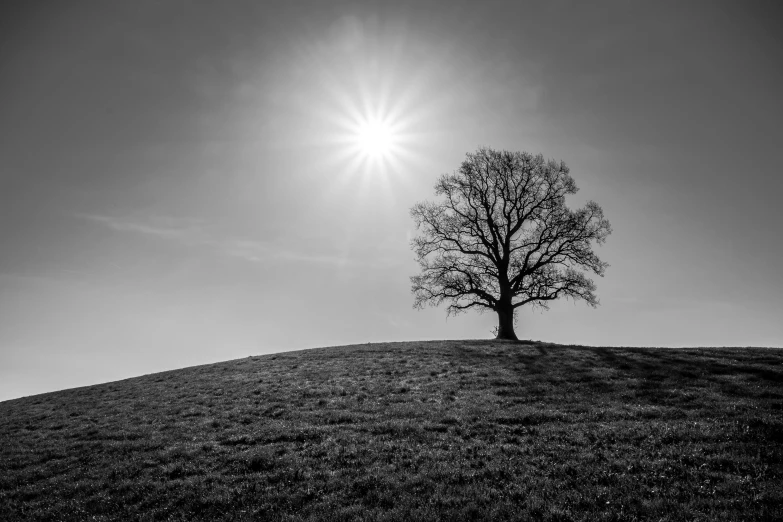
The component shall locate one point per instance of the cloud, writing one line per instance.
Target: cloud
(261, 251)
(195, 233)
(184, 230)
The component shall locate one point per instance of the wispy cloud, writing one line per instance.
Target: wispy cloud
(259, 251)
(196, 233)
(167, 227)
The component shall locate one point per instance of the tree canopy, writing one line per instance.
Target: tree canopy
(502, 237)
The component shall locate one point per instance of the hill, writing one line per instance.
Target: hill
(446, 430)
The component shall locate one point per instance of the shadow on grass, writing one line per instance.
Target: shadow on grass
(661, 370)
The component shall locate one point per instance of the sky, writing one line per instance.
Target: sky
(183, 182)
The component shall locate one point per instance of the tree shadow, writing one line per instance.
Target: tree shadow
(662, 372)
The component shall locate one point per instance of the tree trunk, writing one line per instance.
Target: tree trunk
(506, 323)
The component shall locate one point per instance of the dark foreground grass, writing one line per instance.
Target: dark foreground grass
(453, 430)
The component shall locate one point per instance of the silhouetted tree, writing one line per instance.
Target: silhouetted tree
(503, 237)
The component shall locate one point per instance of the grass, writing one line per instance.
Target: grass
(451, 430)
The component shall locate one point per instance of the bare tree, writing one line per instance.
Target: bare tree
(503, 237)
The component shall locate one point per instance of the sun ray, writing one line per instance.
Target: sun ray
(368, 113)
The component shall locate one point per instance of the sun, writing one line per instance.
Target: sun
(375, 138)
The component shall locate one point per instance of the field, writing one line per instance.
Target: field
(443, 430)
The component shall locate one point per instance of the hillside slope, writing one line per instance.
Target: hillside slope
(447, 430)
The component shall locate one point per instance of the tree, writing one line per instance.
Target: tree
(503, 237)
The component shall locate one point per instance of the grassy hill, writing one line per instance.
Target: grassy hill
(448, 430)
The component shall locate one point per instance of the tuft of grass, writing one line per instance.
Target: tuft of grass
(446, 430)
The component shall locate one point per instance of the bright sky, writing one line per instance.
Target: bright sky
(188, 182)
